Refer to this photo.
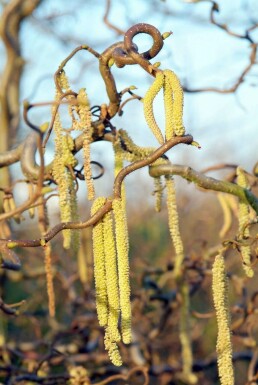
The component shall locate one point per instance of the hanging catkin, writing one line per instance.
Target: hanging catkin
(220, 298)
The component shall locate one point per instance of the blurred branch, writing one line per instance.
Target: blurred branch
(13, 14)
(239, 81)
(214, 10)
(107, 22)
(252, 56)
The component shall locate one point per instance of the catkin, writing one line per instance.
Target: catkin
(184, 328)
(178, 103)
(85, 124)
(158, 192)
(43, 224)
(220, 298)
(122, 246)
(168, 104)
(243, 215)
(63, 81)
(111, 277)
(148, 106)
(63, 162)
(49, 279)
(99, 265)
(119, 162)
(173, 223)
(185, 334)
(132, 150)
(227, 214)
(112, 349)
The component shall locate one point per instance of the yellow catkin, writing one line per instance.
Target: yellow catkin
(134, 151)
(64, 159)
(112, 349)
(84, 256)
(184, 327)
(158, 193)
(43, 227)
(173, 223)
(111, 278)
(118, 158)
(65, 185)
(75, 234)
(87, 167)
(131, 152)
(148, 106)
(63, 81)
(49, 279)
(85, 125)
(178, 103)
(122, 246)
(119, 163)
(65, 86)
(227, 214)
(243, 216)
(99, 265)
(220, 298)
(232, 202)
(168, 104)
(184, 335)
(82, 265)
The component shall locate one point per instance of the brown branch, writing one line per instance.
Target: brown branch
(132, 51)
(246, 70)
(59, 227)
(40, 181)
(14, 13)
(238, 82)
(11, 156)
(215, 9)
(126, 53)
(219, 167)
(107, 22)
(126, 377)
(66, 60)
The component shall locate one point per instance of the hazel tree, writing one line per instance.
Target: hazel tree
(108, 218)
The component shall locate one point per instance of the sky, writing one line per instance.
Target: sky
(201, 54)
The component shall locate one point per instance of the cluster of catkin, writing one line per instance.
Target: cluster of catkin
(173, 103)
(64, 161)
(111, 272)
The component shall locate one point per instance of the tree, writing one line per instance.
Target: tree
(71, 351)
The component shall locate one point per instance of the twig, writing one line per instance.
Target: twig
(205, 182)
(107, 22)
